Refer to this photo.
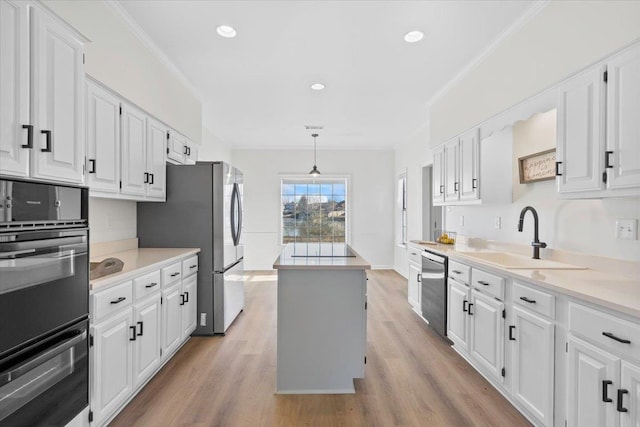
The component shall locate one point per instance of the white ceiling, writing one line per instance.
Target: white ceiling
(255, 87)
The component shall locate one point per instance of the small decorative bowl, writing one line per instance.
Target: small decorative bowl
(445, 237)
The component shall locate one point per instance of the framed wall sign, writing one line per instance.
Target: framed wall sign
(537, 167)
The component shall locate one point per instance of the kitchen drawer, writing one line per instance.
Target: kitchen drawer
(190, 266)
(459, 272)
(415, 255)
(593, 324)
(146, 285)
(488, 283)
(171, 273)
(534, 300)
(103, 303)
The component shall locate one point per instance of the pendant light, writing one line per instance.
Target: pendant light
(314, 172)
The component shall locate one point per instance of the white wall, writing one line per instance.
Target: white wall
(213, 148)
(116, 57)
(562, 38)
(371, 199)
(581, 226)
(112, 219)
(410, 157)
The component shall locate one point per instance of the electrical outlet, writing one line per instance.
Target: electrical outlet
(497, 223)
(461, 220)
(203, 319)
(627, 229)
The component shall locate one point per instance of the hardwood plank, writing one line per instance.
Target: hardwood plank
(413, 378)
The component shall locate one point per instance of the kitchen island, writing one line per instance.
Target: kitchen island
(322, 321)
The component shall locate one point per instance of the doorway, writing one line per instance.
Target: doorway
(431, 215)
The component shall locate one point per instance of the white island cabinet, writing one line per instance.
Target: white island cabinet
(322, 321)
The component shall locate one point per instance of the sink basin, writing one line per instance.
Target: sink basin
(511, 261)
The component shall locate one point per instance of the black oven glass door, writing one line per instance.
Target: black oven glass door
(46, 384)
(44, 285)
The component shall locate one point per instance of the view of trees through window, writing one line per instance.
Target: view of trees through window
(313, 211)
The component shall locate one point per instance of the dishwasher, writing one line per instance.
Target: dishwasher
(434, 291)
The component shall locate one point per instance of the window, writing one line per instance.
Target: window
(402, 209)
(314, 210)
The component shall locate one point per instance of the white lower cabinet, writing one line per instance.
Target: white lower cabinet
(629, 399)
(532, 366)
(414, 285)
(146, 350)
(458, 314)
(171, 319)
(190, 295)
(486, 343)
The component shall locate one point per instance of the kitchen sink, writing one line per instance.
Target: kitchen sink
(511, 261)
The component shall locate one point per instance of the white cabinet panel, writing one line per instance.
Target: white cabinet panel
(630, 394)
(57, 100)
(487, 332)
(156, 158)
(623, 120)
(190, 296)
(580, 132)
(591, 370)
(191, 156)
(171, 320)
(103, 139)
(469, 165)
(134, 143)
(414, 285)
(438, 175)
(457, 314)
(177, 147)
(14, 87)
(451, 171)
(146, 351)
(533, 363)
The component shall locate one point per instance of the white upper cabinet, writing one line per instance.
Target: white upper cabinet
(103, 139)
(156, 158)
(177, 147)
(469, 165)
(15, 127)
(623, 120)
(191, 157)
(57, 100)
(451, 184)
(134, 143)
(42, 102)
(438, 175)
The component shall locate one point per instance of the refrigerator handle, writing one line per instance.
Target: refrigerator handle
(239, 200)
(234, 195)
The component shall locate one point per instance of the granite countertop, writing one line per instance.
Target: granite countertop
(299, 257)
(139, 261)
(615, 291)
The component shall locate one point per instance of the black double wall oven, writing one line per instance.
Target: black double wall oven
(44, 303)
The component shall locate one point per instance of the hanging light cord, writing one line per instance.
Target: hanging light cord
(314, 149)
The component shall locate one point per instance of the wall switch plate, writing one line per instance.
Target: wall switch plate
(497, 222)
(461, 220)
(627, 229)
(203, 319)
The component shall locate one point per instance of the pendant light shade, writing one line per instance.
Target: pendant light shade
(314, 172)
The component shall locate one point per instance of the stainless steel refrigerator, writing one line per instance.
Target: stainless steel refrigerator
(203, 210)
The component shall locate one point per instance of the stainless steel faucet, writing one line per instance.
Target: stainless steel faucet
(537, 244)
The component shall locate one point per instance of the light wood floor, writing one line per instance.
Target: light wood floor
(412, 377)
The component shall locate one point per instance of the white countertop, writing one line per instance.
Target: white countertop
(617, 292)
(295, 257)
(139, 261)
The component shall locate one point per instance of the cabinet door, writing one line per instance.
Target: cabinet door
(623, 124)
(589, 370)
(191, 157)
(630, 375)
(451, 171)
(190, 292)
(457, 314)
(57, 100)
(14, 87)
(146, 352)
(487, 332)
(469, 165)
(134, 148)
(413, 290)
(438, 176)
(533, 364)
(177, 147)
(103, 139)
(580, 132)
(112, 373)
(171, 319)
(156, 158)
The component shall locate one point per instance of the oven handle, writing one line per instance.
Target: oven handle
(14, 253)
(39, 244)
(7, 376)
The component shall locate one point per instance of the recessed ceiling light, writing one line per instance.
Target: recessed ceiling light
(317, 86)
(413, 36)
(226, 31)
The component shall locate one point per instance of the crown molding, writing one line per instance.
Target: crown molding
(149, 43)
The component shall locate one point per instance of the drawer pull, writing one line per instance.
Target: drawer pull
(530, 301)
(483, 283)
(464, 305)
(613, 337)
(456, 271)
(175, 274)
(193, 266)
(119, 300)
(605, 391)
(621, 394)
(151, 285)
(511, 328)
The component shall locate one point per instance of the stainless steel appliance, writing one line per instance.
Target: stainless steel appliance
(44, 303)
(203, 210)
(434, 291)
